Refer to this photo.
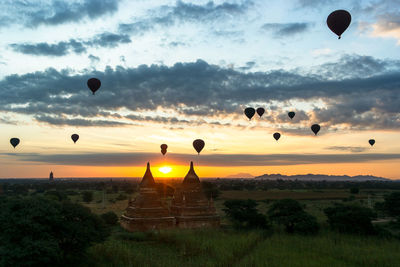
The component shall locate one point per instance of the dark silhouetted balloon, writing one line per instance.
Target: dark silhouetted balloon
(371, 142)
(198, 144)
(164, 149)
(277, 136)
(249, 112)
(338, 21)
(315, 128)
(14, 142)
(260, 111)
(93, 84)
(74, 137)
(291, 114)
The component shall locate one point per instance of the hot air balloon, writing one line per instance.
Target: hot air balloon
(74, 137)
(291, 114)
(260, 111)
(249, 112)
(198, 144)
(14, 142)
(277, 136)
(315, 128)
(93, 84)
(164, 149)
(338, 21)
(371, 142)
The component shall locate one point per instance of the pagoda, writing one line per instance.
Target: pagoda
(51, 176)
(147, 211)
(190, 206)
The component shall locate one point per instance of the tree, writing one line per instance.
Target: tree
(210, 190)
(87, 196)
(290, 214)
(244, 214)
(391, 205)
(351, 219)
(38, 231)
(110, 218)
(354, 190)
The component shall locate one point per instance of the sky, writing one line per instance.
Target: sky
(176, 71)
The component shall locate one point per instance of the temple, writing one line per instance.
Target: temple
(51, 176)
(190, 206)
(147, 212)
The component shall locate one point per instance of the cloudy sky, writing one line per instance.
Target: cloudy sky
(175, 71)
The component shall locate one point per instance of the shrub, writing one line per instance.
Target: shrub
(121, 197)
(290, 214)
(354, 190)
(38, 231)
(87, 196)
(211, 190)
(391, 205)
(350, 219)
(110, 218)
(244, 214)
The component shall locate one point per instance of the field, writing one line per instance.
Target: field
(227, 247)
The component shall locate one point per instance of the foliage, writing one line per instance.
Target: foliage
(56, 195)
(354, 190)
(110, 218)
(121, 197)
(391, 205)
(87, 196)
(244, 214)
(351, 219)
(290, 214)
(211, 190)
(38, 231)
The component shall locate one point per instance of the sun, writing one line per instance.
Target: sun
(165, 169)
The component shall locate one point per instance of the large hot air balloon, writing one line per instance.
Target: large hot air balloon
(198, 144)
(164, 149)
(260, 111)
(371, 142)
(315, 128)
(93, 84)
(14, 142)
(291, 114)
(277, 136)
(249, 112)
(338, 21)
(74, 137)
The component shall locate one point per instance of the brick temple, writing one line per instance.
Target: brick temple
(190, 208)
(147, 211)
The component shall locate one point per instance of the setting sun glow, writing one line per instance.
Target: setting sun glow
(165, 169)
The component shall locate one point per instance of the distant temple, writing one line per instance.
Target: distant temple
(51, 177)
(190, 208)
(147, 212)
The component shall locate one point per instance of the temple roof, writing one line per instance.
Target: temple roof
(191, 177)
(148, 180)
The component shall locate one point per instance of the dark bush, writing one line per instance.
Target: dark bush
(37, 231)
(244, 214)
(391, 205)
(290, 214)
(211, 190)
(87, 196)
(121, 197)
(351, 219)
(354, 190)
(110, 218)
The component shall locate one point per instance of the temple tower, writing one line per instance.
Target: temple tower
(147, 212)
(190, 206)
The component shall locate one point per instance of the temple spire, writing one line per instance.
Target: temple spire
(191, 176)
(148, 179)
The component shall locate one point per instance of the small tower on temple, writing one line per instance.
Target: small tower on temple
(190, 205)
(51, 177)
(147, 212)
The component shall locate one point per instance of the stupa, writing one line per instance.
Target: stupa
(190, 206)
(147, 211)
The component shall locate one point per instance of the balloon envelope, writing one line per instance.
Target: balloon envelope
(260, 111)
(277, 136)
(315, 128)
(371, 142)
(14, 142)
(338, 21)
(249, 112)
(163, 151)
(93, 84)
(198, 144)
(74, 137)
(291, 114)
(164, 146)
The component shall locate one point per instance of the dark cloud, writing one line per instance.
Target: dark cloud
(355, 149)
(54, 12)
(281, 30)
(59, 121)
(186, 12)
(105, 39)
(208, 93)
(139, 159)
